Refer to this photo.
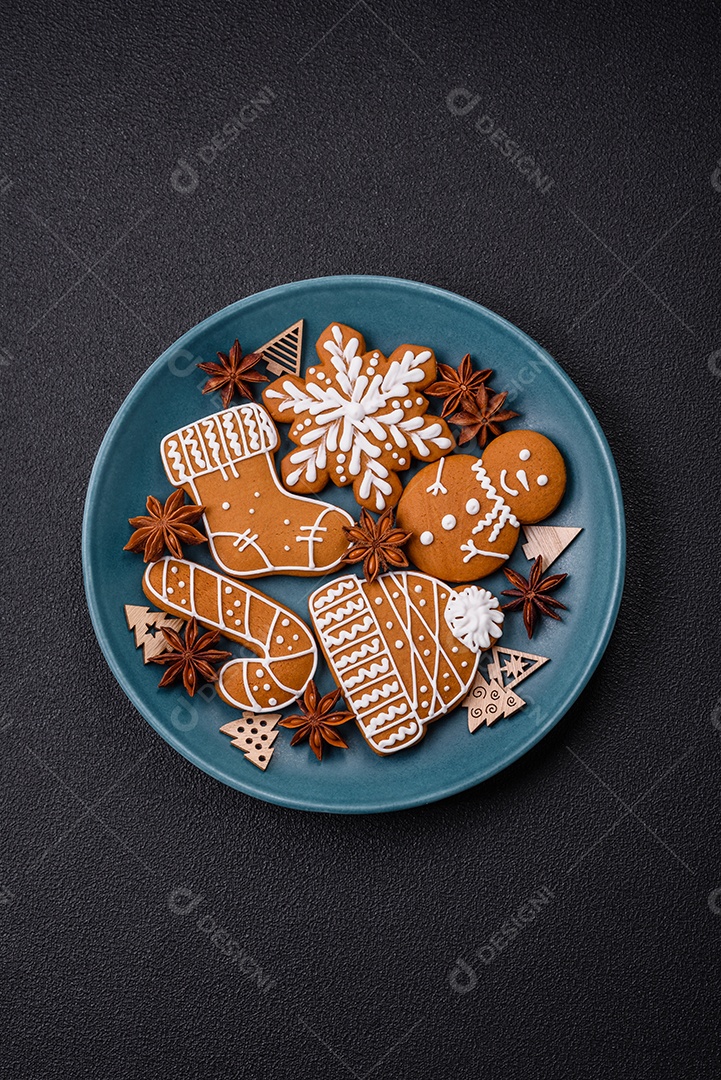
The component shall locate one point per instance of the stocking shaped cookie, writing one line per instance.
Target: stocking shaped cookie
(282, 642)
(403, 649)
(225, 463)
(462, 528)
(358, 418)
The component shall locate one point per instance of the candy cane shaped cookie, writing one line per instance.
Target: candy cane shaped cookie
(284, 646)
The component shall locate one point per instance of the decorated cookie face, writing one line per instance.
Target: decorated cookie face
(462, 529)
(528, 471)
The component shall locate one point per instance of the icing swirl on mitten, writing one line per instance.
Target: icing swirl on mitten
(474, 618)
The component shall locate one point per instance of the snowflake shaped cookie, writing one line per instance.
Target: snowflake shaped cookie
(358, 418)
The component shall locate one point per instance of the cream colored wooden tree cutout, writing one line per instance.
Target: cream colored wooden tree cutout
(282, 354)
(548, 541)
(492, 694)
(254, 735)
(147, 626)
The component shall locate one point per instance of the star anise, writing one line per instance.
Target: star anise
(532, 595)
(482, 417)
(233, 374)
(377, 544)
(317, 721)
(191, 657)
(165, 527)
(458, 387)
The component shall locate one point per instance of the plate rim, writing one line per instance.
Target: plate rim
(390, 804)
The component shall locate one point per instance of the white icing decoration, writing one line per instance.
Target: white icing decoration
(437, 487)
(357, 415)
(473, 506)
(472, 550)
(403, 731)
(367, 674)
(504, 485)
(542, 480)
(500, 513)
(383, 690)
(339, 614)
(222, 441)
(448, 522)
(351, 635)
(379, 694)
(427, 538)
(370, 648)
(474, 618)
(322, 600)
(524, 455)
(522, 478)
(255, 629)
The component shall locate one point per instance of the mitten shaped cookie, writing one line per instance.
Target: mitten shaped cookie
(403, 649)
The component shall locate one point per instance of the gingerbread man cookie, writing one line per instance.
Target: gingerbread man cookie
(462, 529)
(225, 463)
(358, 418)
(528, 470)
(403, 649)
(286, 649)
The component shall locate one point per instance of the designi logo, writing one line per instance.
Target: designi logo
(184, 178)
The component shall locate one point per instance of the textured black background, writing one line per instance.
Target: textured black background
(359, 165)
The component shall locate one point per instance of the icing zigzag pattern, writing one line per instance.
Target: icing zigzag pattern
(370, 648)
(499, 505)
(368, 674)
(340, 613)
(352, 634)
(379, 694)
(333, 594)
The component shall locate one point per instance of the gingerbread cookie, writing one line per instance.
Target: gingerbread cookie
(358, 418)
(403, 649)
(528, 471)
(286, 649)
(225, 463)
(462, 529)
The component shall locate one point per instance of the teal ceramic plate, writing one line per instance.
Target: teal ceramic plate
(449, 759)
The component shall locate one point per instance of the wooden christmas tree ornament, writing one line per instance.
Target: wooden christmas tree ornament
(492, 694)
(147, 626)
(254, 735)
(548, 541)
(282, 353)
